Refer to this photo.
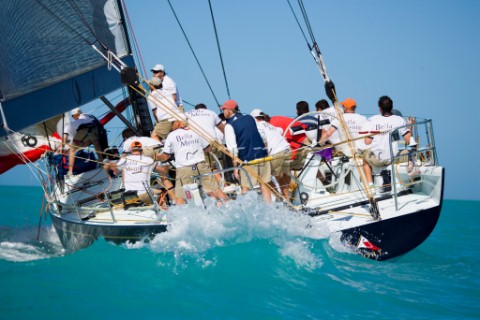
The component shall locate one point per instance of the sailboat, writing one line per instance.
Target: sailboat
(85, 53)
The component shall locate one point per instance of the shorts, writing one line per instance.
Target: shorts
(163, 128)
(281, 163)
(145, 198)
(85, 136)
(374, 161)
(212, 162)
(151, 151)
(297, 163)
(263, 170)
(185, 174)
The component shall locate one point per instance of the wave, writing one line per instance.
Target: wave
(20, 244)
(193, 233)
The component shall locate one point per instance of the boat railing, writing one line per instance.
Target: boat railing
(421, 149)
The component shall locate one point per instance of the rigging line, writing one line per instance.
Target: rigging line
(317, 55)
(219, 50)
(307, 22)
(189, 103)
(201, 131)
(130, 28)
(193, 52)
(298, 23)
(63, 22)
(47, 135)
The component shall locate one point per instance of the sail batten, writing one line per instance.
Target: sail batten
(47, 62)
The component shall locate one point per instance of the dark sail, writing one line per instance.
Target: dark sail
(47, 63)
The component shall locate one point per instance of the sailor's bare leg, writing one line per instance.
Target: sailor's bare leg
(368, 172)
(284, 182)
(167, 184)
(98, 150)
(170, 189)
(71, 159)
(266, 193)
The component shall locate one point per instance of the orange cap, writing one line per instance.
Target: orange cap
(136, 145)
(348, 103)
(229, 104)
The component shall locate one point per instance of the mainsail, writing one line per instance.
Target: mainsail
(47, 62)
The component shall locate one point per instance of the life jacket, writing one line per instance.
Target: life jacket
(249, 142)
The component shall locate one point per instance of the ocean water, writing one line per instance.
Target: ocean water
(246, 262)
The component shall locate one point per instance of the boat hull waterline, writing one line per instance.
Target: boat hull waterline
(392, 237)
(388, 238)
(75, 236)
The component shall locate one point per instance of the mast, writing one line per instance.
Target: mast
(141, 111)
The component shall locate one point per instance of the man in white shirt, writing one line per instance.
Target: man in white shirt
(354, 122)
(168, 85)
(135, 171)
(81, 132)
(378, 154)
(244, 141)
(330, 114)
(150, 148)
(163, 106)
(188, 149)
(278, 148)
(207, 121)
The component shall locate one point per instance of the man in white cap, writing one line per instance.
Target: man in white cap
(150, 148)
(163, 105)
(169, 87)
(278, 148)
(136, 168)
(244, 141)
(85, 130)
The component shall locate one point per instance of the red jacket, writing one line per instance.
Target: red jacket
(294, 140)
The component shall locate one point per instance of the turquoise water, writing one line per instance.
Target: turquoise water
(252, 264)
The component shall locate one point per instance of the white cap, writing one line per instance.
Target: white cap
(155, 81)
(76, 111)
(158, 67)
(257, 113)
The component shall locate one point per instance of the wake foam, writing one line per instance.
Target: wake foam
(21, 244)
(192, 231)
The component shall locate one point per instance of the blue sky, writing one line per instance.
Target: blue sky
(423, 54)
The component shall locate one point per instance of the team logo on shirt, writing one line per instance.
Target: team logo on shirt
(187, 140)
(383, 127)
(190, 154)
